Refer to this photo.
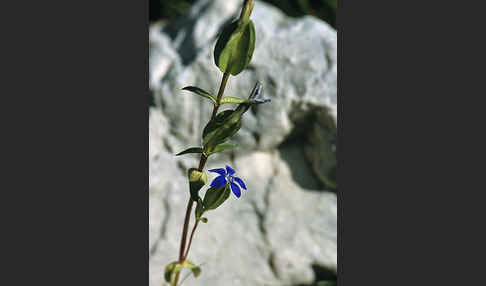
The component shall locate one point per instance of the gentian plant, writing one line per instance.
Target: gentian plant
(232, 54)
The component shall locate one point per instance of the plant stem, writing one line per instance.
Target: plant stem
(184, 230)
(220, 94)
(190, 239)
(202, 162)
(247, 9)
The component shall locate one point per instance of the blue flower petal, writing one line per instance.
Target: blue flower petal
(230, 170)
(240, 182)
(263, 100)
(220, 171)
(218, 182)
(236, 190)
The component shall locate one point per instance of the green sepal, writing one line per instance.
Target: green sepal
(197, 180)
(235, 46)
(196, 270)
(220, 148)
(190, 150)
(171, 270)
(201, 92)
(215, 197)
(232, 100)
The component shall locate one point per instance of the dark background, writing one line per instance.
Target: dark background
(323, 9)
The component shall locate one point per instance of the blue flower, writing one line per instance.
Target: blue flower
(256, 94)
(226, 177)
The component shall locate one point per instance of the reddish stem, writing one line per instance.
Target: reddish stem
(202, 162)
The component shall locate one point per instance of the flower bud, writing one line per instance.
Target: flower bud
(235, 45)
(197, 180)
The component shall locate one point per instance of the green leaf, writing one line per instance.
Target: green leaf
(220, 58)
(215, 197)
(199, 208)
(197, 180)
(220, 129)
(200, 92)
(232, 100)
(205, 220)
(235, 46)
(190, 150)
(251, 35)
(214, 124)
(223, 134)
(221, 148)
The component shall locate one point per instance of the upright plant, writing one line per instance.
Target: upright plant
(232, 54)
